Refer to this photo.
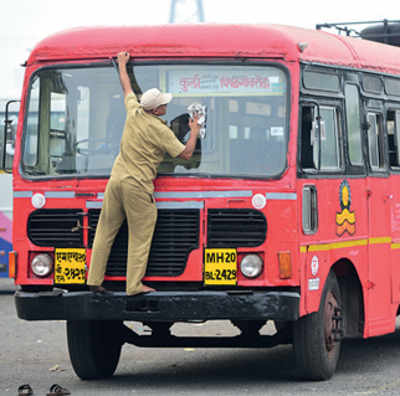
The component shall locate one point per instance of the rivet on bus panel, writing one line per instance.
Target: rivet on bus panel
(302, 46)
(285, 265)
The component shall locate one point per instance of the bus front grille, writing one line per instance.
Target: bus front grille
(175, 236)
(56, 227)
(235, 228)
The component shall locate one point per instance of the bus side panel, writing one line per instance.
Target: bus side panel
(394, 199)
(334, 240)
(315, 246)
(316, 271)
(381, 319)
(5, 221)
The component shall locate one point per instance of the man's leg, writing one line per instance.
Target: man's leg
(141, 213)
(111, 217)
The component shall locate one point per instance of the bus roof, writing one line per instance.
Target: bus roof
(212, 40)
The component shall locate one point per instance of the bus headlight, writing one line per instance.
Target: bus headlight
(251, 266)
(42, 265)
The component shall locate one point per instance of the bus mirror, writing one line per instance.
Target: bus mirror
(8, 137)
(10, 131)
(2, 148)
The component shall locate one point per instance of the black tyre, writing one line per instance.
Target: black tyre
(317, 337)
(94, 347)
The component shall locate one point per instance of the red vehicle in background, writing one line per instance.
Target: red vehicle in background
(288, 211)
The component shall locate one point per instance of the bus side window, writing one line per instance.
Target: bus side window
(309, 210)
(393, 131)
(57, 133)
(30, 149)
(320, 138)
(353, 123)
(307, 115)
(329, 137)
(375, 142)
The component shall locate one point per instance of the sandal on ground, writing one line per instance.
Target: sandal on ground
(58, 390)
(25, 390)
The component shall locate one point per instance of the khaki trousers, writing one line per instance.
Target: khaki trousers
(124, 199)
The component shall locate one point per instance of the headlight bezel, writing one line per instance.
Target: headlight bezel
(251, 266)
(42, 265)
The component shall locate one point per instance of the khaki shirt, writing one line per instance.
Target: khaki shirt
(144, 142)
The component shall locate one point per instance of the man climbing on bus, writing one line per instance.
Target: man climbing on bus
(129, 191)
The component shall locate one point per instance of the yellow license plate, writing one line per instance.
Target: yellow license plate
(70, 266)
(220, 266)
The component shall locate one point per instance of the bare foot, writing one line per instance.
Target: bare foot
(144, 289)
(147, 289)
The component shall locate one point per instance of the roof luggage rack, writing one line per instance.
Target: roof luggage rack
(383, 31)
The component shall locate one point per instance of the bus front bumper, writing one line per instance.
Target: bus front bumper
(158, 306)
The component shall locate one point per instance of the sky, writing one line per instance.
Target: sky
(26, 22)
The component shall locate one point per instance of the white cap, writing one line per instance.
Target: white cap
(153, 98)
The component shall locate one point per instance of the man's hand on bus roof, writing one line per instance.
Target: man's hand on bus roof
(123, 58)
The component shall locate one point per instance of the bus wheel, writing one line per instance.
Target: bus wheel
(94, 347)
(317, 337)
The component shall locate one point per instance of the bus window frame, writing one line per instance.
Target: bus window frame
(322, 69)
(22, 142)
(166, 61)
(380, 123)
(309, 209)
(321, 89)
(322, 102)
(394, 107)
(355, 169)
(377, 103)
(370, 92)
(323, 98)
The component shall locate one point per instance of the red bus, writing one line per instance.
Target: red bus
(288, 211)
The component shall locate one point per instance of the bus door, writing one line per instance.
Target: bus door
(378, 199)
(393, 194)
(322, 170)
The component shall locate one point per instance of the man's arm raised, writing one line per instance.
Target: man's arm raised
(123, 59)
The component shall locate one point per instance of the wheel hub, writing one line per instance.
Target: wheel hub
(332, 319)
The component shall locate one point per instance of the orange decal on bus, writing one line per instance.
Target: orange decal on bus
(345, 219)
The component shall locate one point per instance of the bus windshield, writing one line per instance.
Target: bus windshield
(75, 119)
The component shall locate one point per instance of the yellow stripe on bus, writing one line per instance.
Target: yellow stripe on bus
(337, 245)
(346, 244)
(376, 241)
